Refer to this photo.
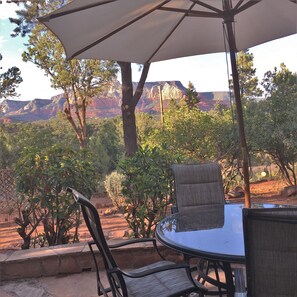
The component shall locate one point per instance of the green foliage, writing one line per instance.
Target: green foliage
(41, 179)
(188, 133)
(27, 15)
(147, 125)
(147, 188)
(80, 80)
(17, 137)
(191, 96)
(5, 147)
(198, 136)
(106, 143)
(62, 130)
(113, 186)
(9, 81)
(225, 140)
(248, 80)
(24, 142)
(272, 122)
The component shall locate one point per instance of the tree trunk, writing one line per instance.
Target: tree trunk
(129, 102)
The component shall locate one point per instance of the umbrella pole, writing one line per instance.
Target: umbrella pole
(243, 144)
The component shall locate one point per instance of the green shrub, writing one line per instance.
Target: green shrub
(113, 186)
(41, 179)
(147, 188)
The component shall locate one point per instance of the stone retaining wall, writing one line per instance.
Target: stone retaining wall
(76, 258)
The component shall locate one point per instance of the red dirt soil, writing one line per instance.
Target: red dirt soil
(115, 226)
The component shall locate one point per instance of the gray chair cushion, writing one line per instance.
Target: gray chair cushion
(160, 284)
(197, 185)
(270, 237)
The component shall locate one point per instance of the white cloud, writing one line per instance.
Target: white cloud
(2, 41)
(7, 10)
(35, 84)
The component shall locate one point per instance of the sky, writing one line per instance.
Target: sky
(207, 72)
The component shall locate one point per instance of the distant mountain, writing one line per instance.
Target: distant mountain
(108, 103)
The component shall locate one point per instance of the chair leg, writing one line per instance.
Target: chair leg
(100, 288)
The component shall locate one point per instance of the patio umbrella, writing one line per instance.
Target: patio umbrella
(144, 31)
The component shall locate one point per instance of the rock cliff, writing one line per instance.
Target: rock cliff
(106, 104)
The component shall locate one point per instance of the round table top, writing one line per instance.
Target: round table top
(213, 232)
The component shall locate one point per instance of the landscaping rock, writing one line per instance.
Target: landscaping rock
(289, 191)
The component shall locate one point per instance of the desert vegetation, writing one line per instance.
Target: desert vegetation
(132, 155)
(47, 157)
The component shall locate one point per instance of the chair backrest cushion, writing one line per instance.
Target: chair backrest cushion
(270, 237)
(197, 185)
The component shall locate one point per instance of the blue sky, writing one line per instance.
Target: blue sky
(207, 72)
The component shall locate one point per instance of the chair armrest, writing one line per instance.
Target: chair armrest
(132, 241)
(127, 242)
(153, 270)
(138, 240)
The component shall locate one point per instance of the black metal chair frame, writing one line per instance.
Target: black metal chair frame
(115, 275)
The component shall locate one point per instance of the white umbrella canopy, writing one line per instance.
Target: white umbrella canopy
(153, 30)
(145, 31)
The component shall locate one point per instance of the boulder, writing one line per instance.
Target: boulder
(289, 191)
(238, 192)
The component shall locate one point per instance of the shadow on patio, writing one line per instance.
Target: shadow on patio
(65, 270)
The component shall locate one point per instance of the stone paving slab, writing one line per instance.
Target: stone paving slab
(74, 285)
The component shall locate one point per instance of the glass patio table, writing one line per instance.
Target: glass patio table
(213, 232)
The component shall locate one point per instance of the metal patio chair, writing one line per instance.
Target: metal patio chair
(160, 279)
(196, 186)
(270, 237)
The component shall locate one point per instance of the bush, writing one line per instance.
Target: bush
(147, 188)
(113, 186)
(41, 179)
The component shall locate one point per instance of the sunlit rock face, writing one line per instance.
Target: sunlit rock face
(107, 103)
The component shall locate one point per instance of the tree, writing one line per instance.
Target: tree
(106, 143)
(80, 80)
(26, 22)
(5, 147)
(272, 121)
(19, 136)
(248, 81)
(187, 132)
(191, 96)
(248, 84)
(223, 134)
(9, 81)
(129, 102)
(147, 124)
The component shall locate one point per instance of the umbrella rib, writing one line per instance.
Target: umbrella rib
(207, 6)
(170, 33)
(246, 6)
(238, 4)
(46, 18)
(117, 30)
(193, 12)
